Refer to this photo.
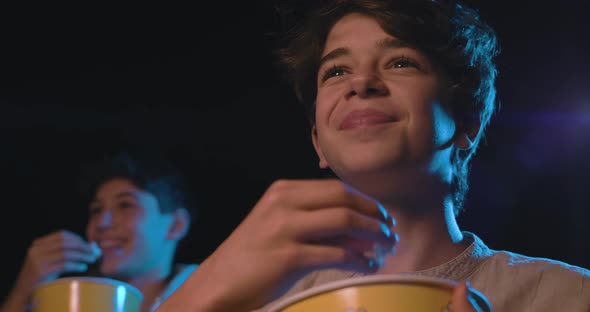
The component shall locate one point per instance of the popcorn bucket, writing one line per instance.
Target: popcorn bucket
(86, 294)
(377, 293)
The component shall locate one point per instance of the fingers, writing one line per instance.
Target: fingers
(63, 261)
(318, 194)
(69, 256)
(328, 213)
(66, 267)
(344, 226)
(333, 257)
(61, 252)
(462, 300)
(62, 240)
(356, 241)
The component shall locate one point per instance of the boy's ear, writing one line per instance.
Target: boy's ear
(318, 148)
(180, 225)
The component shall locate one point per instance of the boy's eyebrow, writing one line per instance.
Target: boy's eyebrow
(393, 43)
(333, 55)
(119, 195)
(382, 44)
(125, 194)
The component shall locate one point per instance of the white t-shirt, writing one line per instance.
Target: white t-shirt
(510, 281)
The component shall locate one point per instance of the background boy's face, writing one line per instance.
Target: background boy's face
(380, 105)
(129, 228)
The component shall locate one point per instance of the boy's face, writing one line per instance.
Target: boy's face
(126, 223)
(380, 106)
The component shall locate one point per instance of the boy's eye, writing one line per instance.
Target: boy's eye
(404, 62)
(94, 210)
(126, 204)
(401, 64)
(333, 72)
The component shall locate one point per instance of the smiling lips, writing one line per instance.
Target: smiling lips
(365, 119)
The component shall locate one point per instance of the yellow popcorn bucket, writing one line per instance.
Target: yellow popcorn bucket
(377, 293)
(86, 294)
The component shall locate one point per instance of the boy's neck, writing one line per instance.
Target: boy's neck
(151, 285)
(426, 240)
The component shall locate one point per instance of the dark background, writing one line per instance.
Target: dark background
(198, 82)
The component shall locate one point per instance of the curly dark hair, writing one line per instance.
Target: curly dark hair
(452, 35)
